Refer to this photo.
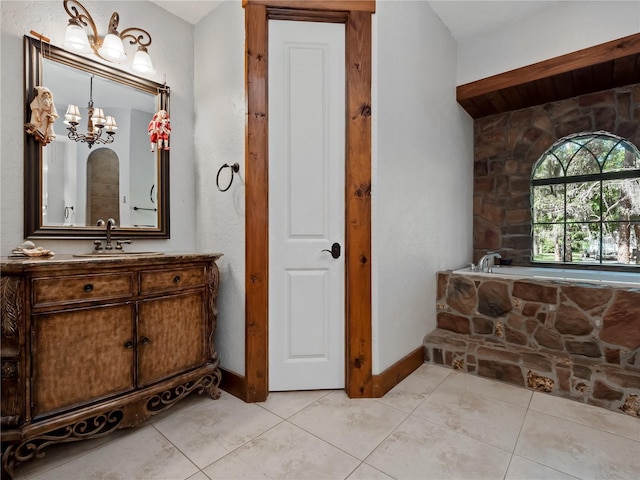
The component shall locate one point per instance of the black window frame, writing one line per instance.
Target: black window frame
(600, 177)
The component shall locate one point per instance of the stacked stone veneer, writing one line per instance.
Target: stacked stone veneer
(508, 145)
(579, 341)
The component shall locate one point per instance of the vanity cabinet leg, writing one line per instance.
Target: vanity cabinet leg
(8, 461)
(212, 388)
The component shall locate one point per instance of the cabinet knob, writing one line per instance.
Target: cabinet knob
(176, 279)
(88, 288)
(144, 340)
(128, 344)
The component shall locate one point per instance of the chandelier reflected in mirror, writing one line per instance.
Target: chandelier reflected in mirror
(97, 123)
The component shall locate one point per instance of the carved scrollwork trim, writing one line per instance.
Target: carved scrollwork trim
(213, 388)
(166, 399)
(93, 427)
(12, 305)
(213, 274)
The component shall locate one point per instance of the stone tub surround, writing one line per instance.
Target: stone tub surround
(580, 341)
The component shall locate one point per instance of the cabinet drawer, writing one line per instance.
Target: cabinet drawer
(171, 279)
(81, 288)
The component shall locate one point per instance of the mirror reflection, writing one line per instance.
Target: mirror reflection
(72, 177)
(118, 180)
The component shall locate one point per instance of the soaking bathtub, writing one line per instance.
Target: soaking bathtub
(615, 279)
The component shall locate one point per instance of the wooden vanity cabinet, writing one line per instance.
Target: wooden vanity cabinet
(91, 346)
(80, 356)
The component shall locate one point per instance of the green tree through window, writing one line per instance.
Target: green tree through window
(585, 198)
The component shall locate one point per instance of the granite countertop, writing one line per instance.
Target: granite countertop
(24, 263)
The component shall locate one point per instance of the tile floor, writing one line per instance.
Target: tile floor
(437, 424)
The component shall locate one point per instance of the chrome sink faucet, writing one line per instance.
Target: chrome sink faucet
(486, 262)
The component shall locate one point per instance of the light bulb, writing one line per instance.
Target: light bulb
(112, 49)
(142, 62)
(76, 40)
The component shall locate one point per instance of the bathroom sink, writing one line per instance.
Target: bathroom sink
(116, 254)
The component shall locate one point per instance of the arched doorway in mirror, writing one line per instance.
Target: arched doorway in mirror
(103, 186)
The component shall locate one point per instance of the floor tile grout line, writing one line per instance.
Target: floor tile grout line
(407, 416)
(282, 420)
(474, 391)
(468, 435)
(363, 462)
(241, 446)
(229, 452)
(381, 442)
(426, 395)
(534, 392)
(331, 444)
(458, 432)
(584, 425)
(434, 381)
(108, 441)
(352, 471)
(562, 417)
(515, 444)
(544, 465)
(181, 452)
(328, 392)
(153, 423)
(529, 409)
(322, 439)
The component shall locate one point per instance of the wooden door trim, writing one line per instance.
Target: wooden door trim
(256, 205)
(318, 5)
(358, 41)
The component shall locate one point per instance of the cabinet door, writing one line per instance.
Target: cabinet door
(171, 336)
(81, 355)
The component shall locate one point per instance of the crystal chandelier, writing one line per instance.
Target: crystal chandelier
(95, 124)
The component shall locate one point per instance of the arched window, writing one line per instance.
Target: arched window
(585, 201)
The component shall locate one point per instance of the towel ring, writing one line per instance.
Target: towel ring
(234, 169)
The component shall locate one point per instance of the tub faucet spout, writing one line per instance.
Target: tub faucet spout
(486, 262)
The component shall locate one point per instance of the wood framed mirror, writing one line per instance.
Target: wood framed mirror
(68, 185)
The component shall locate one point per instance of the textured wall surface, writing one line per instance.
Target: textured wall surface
(172, 54)
(220, 119)
(411, 116)
(422, 174)
(557, 29)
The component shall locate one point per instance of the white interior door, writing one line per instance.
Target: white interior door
(306, 205)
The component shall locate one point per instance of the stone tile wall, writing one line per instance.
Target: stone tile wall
(508, 145)
(579, 341)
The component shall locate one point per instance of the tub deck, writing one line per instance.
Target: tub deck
(616, 279)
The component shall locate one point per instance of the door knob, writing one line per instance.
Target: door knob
(335, 250)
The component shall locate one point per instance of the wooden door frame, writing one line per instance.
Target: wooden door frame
(356, 15)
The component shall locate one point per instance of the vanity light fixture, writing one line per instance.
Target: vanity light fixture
(110, 47)
(96, 123)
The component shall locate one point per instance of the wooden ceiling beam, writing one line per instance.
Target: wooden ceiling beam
(624, 52)
(565, 63)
